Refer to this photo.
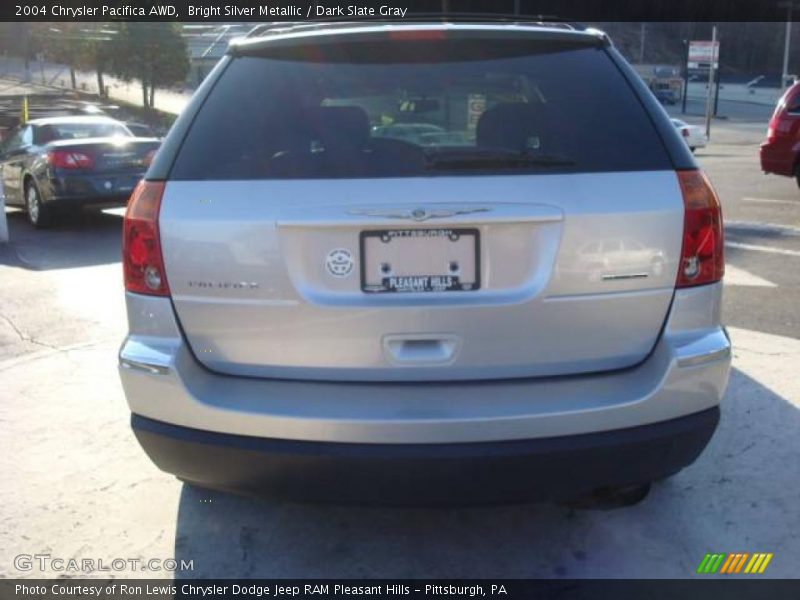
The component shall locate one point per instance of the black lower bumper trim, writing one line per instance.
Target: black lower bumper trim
(427, 474)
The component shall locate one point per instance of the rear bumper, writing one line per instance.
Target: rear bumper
(540, 469)
(777, 158)
(111, 189)
(66, 203)
(478, 440)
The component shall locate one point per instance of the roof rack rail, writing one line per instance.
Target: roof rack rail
(443, 17)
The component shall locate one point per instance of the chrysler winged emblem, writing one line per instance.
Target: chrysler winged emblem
(418, 214)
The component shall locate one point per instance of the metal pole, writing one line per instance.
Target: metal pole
(787, 40)
(710, 96)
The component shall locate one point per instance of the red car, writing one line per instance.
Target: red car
(781, 151)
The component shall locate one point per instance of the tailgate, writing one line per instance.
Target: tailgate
(569, 274)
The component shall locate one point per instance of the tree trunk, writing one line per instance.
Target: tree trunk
(72, 78)
(145, 97)
(152, 95)
(101, 86)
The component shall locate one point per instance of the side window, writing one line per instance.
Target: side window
(793, 105)
(40, 134)
(27, 136)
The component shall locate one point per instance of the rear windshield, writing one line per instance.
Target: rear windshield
(421, 108)
(53, 132)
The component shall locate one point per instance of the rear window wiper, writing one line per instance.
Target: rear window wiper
(493, 159)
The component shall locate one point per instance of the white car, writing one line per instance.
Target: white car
(693, 135)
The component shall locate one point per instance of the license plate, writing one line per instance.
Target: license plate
(420, 260)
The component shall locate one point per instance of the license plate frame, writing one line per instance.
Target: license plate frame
(433, 283)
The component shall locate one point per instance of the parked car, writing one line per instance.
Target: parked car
(321, 311)
(693, 135)
(781, 149)
(63, 163)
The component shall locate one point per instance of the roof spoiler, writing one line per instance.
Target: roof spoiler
(422, 17)
(286, 33)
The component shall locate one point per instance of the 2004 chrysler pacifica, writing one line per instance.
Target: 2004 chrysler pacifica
(412, 263)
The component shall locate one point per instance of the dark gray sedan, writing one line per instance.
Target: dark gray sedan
(65, 163)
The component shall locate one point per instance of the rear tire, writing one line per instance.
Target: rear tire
(612, 497)
(797, 174)
(39, 215)
(692, 149)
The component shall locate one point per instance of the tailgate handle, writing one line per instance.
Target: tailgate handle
(421, 349)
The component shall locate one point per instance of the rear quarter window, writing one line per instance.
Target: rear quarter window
(397, 108)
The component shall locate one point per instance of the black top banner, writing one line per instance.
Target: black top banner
(199, 11)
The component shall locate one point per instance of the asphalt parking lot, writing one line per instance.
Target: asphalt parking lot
(78, 486)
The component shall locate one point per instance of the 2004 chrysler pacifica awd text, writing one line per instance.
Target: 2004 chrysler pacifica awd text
(448, 262)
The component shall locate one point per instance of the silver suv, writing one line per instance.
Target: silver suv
(520, 301)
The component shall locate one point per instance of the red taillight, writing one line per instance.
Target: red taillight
(685, 132)
(142, 262)
(70, 159)
(702, 257)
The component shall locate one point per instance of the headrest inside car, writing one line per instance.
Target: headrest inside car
(339, 126)
(510, 125)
